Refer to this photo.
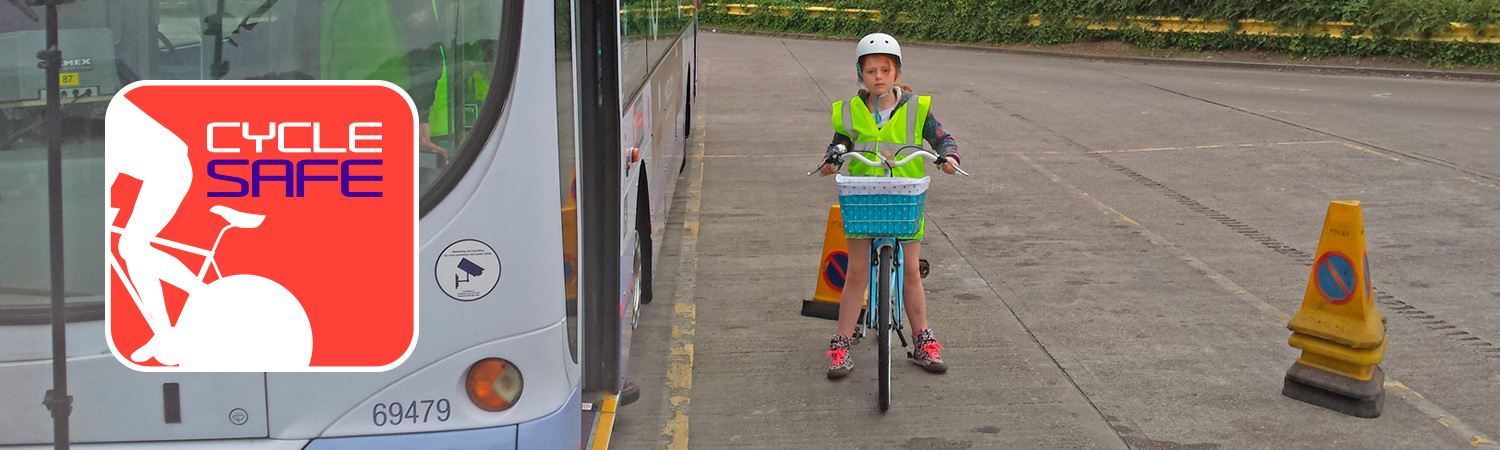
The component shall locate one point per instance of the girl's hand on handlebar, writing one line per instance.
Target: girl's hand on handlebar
(828, 169)
(950, 167)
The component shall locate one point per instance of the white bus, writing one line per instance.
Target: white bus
(555, 134)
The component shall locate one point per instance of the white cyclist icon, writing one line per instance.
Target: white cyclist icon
(235, 323)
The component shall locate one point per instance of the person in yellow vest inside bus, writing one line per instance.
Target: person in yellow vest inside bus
(401, 41)
(886, 114)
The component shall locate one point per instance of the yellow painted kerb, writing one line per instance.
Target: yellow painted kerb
(606, 426)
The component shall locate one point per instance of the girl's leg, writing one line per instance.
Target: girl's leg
(850, 301)
(858, 276)
(913, 296)
(926, 349)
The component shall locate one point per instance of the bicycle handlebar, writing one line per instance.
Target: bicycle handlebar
(842, 155)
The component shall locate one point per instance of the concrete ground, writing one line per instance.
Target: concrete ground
(1117, 273)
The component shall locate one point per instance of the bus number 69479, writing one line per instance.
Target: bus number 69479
(415, 411)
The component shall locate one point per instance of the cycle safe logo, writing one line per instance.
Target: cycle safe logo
(261, 226)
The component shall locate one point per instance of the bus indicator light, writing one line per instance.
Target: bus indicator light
(494, 384)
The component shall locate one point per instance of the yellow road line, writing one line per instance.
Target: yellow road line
(1392, 158)
(1285, 112)
(1481, 183)
(685, 312)
(1416, 399)
(735, 156)
(1474, 437)
(1372, 152)
(1205, 147)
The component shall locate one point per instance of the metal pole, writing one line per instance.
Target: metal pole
(57, 400)
(214, 26)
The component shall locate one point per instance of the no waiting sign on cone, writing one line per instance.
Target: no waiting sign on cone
(832, 267)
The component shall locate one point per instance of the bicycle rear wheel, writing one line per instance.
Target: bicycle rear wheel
(883, 325)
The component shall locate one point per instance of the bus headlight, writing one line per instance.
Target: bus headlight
(494, 384)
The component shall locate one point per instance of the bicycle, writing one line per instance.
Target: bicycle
(883, 209)
(238, 322)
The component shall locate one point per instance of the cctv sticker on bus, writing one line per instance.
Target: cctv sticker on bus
(261, 226)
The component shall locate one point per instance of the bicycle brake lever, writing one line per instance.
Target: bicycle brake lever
(939, 162)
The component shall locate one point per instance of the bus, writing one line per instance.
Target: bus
(552, 132)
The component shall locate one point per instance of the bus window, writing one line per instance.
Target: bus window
(635, 34)
(93, 69)
(671, 18)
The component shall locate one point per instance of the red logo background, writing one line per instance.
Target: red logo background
(349, 260)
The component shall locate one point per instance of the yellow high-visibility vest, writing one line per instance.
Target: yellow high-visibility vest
(362, 41)
(855, 121)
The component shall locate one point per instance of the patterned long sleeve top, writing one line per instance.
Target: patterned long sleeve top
(932, 132)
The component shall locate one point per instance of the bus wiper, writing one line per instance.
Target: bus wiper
(245, 24)
(27, 10)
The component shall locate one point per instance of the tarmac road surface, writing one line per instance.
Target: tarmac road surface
(1117, 273)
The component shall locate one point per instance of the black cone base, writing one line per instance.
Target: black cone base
(1364, 399)
(820, 309)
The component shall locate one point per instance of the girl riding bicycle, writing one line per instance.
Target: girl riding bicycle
(892, 123)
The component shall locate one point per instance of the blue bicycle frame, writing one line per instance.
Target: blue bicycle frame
(898, 285)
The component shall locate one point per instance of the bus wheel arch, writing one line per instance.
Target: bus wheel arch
(643, 235)
(687, 119)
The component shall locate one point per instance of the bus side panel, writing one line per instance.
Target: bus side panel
(557, 430)
(668, 86)
(636, 142)
(652, 140)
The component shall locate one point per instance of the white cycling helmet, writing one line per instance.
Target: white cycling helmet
(876, 44)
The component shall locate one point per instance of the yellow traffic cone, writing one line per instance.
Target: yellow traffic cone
(834, 265)
(570, 241)
(1338, 329)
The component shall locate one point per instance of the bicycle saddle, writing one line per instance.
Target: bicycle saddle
(236, 218)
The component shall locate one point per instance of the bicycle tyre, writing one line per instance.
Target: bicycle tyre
(883, 325)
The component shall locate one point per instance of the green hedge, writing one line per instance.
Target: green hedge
(1004, 21)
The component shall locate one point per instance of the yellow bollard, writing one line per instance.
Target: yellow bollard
(570, 242)
(1338, 329)
(834, 265)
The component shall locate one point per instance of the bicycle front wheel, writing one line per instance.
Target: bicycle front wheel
(883, 324)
